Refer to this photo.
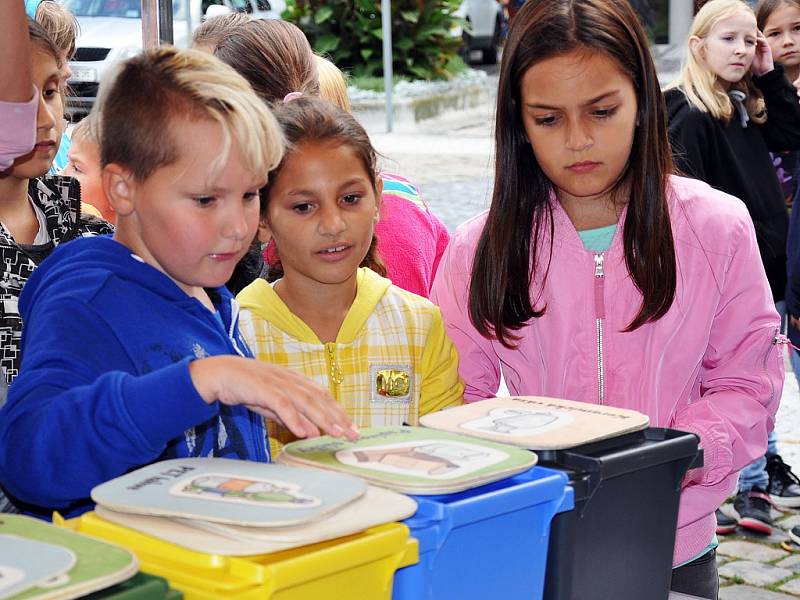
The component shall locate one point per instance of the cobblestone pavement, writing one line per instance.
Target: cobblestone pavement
(757, 567)
(450, 159)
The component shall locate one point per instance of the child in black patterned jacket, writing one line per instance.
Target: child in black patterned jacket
(37, 212)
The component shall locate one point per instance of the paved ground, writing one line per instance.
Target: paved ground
(450, 158)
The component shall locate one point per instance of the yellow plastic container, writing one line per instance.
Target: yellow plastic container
(357, 566)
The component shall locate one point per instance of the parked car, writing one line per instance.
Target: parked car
(111, 30)
(484, 28)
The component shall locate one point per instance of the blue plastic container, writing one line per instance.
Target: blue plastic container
(487, 542)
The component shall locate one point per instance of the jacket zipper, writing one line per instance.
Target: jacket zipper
(234, 320)
(777, 338)
(334, 371)
(599, 313)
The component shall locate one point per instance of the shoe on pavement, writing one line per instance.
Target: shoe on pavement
(784, 486)
(726, 524)
(753, 508)
(794, 534)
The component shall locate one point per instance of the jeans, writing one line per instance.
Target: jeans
(698, 578)
(755, 474)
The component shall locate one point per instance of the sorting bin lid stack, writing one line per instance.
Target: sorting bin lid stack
(236, 492)
(412, 460)
(39, 560)
(537, 422)
(236, 508)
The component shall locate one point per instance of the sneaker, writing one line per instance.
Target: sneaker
(726, 524)
(753, 508)
(794, 534)
(784, 486)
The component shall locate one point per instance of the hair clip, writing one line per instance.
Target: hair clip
(291, 96)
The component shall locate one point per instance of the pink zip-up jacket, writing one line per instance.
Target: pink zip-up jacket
(710, 366)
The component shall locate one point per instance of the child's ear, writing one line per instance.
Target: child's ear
(695, 46)
(118, 185)
(264, 231)
(378, 197)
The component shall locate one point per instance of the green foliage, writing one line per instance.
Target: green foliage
(374, 84)
(349, 32)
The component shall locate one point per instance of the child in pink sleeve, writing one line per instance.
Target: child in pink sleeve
(19, 100)
(410, 266)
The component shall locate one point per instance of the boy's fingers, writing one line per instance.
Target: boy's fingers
(324, 412)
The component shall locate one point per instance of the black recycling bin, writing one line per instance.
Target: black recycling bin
(617, 543)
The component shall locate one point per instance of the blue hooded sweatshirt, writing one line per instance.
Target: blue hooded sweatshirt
(104, 386)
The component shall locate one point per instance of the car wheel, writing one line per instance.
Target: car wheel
(466, 46)
(490, 53)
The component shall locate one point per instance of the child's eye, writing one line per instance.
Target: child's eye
(204, 201)
(49, 93)
(250, 196)
(604, 113)
(545, 121)
(74, 168)
(351, 198)
(302, 208)
(796, 28)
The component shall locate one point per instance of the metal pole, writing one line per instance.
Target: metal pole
(681, 13)
(156, 23)
(165, 35)
(388, 75)
(187, 8)
(149, 24)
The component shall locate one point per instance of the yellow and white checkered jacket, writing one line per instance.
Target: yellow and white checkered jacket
(391, 362)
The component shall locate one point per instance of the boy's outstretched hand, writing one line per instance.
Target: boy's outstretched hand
(278, 393)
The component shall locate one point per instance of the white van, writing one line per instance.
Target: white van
(111, 30)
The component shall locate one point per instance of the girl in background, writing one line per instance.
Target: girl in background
(779, 20)
(731, 106)
(589, 279)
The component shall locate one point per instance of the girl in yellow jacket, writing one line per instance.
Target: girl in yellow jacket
(382, 351)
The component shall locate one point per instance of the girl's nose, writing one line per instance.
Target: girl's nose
(578, 136)
(45, 119)
(331, 222)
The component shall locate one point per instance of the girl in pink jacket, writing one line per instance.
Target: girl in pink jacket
(598, 276)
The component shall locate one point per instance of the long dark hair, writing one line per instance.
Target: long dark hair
(509, 253)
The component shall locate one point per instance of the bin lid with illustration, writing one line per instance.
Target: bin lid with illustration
(537, 422)
(235, 492)
(413, 460)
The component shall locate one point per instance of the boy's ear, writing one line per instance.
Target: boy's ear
(118, 185)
